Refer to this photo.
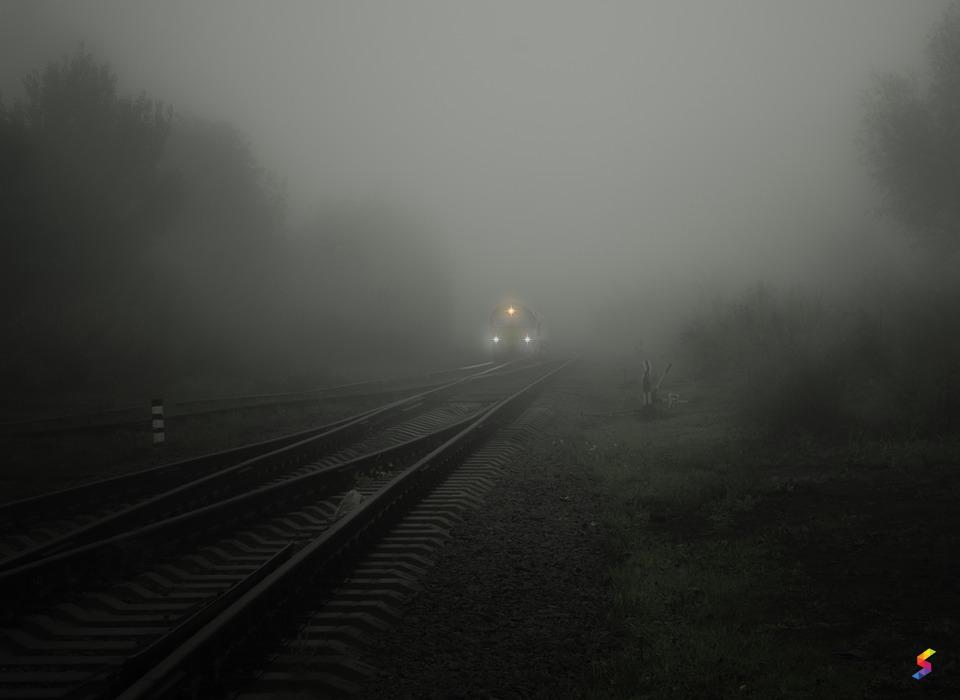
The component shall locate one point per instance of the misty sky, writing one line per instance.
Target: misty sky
(564, 150)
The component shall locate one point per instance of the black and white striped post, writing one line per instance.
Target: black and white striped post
(156, 410)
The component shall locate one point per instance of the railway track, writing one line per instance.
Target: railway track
(41, 525)
(144, 608)
(321, 651)
(138, 417)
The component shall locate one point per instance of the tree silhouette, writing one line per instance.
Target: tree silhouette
(911, 140)
(81, 193)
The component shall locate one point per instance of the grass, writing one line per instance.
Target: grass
(745, 568)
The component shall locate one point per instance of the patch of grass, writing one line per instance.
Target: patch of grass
(742, 568)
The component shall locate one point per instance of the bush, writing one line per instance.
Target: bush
(800, 367)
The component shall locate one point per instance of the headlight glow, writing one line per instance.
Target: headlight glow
(526, 339)
(496, 338)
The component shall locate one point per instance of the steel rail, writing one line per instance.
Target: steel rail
(136, 415)
(20, 581)
(379, 389)
(202, 651)
(331, 389)
(140, 661)
(33, 507)
(68, 631)
(255, 459)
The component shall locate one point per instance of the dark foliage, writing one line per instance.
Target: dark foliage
(911, 140)
(800, 367)
(145, 252)
(82, 193)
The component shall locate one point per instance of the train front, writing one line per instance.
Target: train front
(514, 332)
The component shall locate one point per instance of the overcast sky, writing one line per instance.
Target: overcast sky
(563, 149)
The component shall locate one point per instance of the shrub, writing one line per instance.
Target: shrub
(800, 367)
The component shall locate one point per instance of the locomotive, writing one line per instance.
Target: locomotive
(515, 332)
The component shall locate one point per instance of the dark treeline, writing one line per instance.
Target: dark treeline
(885, 365)
(146, 252)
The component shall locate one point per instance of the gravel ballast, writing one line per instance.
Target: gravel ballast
(515, 606)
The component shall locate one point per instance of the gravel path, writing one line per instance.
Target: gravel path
(514, 607)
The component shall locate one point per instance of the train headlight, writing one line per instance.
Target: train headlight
(496, 338)
(526, 338)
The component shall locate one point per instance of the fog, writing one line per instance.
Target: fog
(608, 163)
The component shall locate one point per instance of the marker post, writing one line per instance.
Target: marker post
(156, 410)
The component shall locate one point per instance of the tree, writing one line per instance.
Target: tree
(912, 141)
(136, 248)
(81, 193)
(366, 277)
(219, 261)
